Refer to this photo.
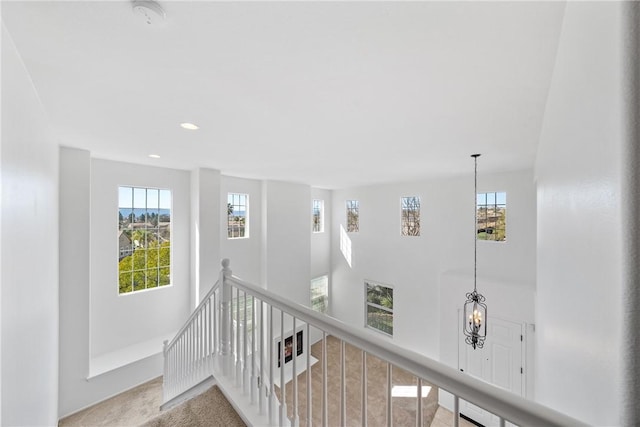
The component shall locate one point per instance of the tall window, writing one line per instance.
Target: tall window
(320, 294)
(353, 216)
(237, 216)
(411, 216)
(318, 216)
(379, 308)
(144, 238)
(492, 216)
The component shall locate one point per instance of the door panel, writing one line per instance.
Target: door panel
(499, 363)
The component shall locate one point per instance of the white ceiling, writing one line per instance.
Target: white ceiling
(332, 94)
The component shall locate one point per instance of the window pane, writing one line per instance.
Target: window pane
(318, 216)
(380, 319)
(353, 216)
(410, 216)
(125, 197)
(144, 238)
(320, 294)
(237, 215)
(491, 216)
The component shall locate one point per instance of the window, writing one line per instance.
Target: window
(318, 216)
(237, 216)
(320, 294)
(492, 216)
(353, 216)
(411, 216)
(379, 309)
(144, 238)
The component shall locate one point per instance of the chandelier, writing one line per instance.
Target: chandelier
(475, 310)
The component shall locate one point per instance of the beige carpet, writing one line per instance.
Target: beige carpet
(404, 408)
(141, 406)
(210, 408)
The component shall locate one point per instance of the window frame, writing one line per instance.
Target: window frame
(353, 211)
(368, 304)
(158, 228)
(320, 215)
(324, 277)
(402, 217)
(246, 206)
(495, 230)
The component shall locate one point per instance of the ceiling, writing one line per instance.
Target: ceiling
(331, 94)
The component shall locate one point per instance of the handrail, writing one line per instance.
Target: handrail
(194, 313)
(493, 399)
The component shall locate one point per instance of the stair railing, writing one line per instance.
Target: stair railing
(232, 336)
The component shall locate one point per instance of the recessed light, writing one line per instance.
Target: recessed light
(154, 156)
(189, 126)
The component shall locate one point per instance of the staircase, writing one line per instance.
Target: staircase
(234, 339)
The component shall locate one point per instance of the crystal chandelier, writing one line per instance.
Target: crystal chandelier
(475, 310)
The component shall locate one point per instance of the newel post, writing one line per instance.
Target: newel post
(225, 317)
(165, 376)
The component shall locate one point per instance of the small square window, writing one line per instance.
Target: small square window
(318, 216)
(491, 216)
(237, 216)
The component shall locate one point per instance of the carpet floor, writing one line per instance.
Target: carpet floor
(140, 406)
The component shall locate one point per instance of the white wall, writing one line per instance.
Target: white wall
(245, 254)
(205, 233)
(286, 253)
(119, 321)
(29, 233)
(579, 234)
(89, 300)
(414, 265)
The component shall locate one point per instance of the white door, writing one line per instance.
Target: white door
(500, 362)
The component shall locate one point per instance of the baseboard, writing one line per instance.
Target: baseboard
(194, 391)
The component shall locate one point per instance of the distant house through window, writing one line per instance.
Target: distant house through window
(492, 216)
(353, 216)
(411, 216)
(320, 294)
(144, 238)
(379, 307)
(237, 216)
(318, 216)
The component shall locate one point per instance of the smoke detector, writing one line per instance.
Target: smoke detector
(148, 10)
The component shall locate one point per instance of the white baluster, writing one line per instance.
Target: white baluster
(165, 377)
(262, 372)
(244, 347)
(343, 384)
(456, 411)
(325, 405)
(225, 321)
(389, 398)
(364, 388)
(254, 385)
(309, 389)
(502, 422)
(271, 363)
(238, 331)
(294, 354)
(419, 420)
(283, 394)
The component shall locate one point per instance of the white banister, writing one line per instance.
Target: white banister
(214, 342)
